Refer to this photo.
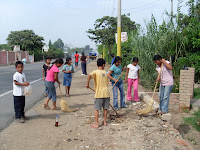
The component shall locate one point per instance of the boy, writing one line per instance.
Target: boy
(44, 71)
(19, 81)
(76, 59)
(102, 96)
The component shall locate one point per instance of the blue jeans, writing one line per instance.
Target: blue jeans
(164, 93)
(19, 104)
(83, 66)
(118, 85)
(51, 90)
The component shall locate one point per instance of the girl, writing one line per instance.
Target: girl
(166, 82)
(113, 74)
(68, 69)
(83, 64)
(44, 71)
(52, 76)
(133, 78)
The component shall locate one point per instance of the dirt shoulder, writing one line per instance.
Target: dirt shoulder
(125, 133)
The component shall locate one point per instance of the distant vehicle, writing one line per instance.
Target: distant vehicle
(93, 56)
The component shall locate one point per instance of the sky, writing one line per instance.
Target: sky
(70, 19)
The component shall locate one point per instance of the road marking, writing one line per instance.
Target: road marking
(12, 90)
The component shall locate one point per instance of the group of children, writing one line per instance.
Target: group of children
(100, 76)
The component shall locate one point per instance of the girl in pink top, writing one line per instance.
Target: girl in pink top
(166, 82)
(52, 76)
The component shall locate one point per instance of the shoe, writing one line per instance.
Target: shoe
(25, 118)
(125, 106)
(82, 74)
(19, 120)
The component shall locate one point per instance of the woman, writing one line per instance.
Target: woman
(83, 59)
(113, 74)
(166, 82)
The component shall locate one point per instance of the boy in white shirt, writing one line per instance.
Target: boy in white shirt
(19, 81)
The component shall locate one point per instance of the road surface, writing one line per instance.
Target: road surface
(34, 76)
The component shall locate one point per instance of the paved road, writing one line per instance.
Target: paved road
(33, 74)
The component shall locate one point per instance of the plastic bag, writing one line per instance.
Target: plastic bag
(28, 90)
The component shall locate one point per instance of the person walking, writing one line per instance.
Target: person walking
(83, 59)
(76, 56)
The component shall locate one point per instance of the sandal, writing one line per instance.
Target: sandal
(46, 107)
(54, 108)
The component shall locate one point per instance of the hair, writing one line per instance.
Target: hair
(83, 53)
(76, 52)
(157, 57)
(135, 59)
(117, 58)
(112, 55)
(18, 63)
(67, 60)
(100, 62)
(57, 61)
(47, 58)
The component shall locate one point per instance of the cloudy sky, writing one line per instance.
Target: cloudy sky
(70, 19)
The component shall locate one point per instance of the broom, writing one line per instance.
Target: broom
(150, 102)
(63, 103)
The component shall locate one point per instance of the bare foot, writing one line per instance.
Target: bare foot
(94, 126)
(54, 108)
(104, 123)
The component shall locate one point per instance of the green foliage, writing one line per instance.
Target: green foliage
(194, 120)
(196, 93)
(58, 44)
(6, 47)
(27, 40)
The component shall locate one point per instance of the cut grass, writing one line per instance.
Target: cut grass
(197, 93)
(194, 120)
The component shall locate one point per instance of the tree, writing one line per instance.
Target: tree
(59, 44)
(106, 27)
(27, 40)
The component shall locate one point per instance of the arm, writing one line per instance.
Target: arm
(126, 78)
(110, 77)
(158, 79)
(56, 77)
(43, 74)
(21, 84)
(169, 66)
(138, 77)
(88, 81)
(66, 71)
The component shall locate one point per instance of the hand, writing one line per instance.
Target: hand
(115, 80)
(87, 86)
(163, 60)
(158, 79)
(44, 78)
(26, 83)
(124, 68)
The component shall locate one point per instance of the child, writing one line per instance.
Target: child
(19, 81)
(133, 79)
(52, 76)
(113, 74)
(76, 59)
(68, 69)
(44, 71)
(102, 96)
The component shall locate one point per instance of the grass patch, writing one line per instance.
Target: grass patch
(194, 120)
(197, 93)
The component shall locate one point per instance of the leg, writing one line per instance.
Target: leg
(122, 95)
(115, 96)
(17, 107)
(135, 85)
(161, 95)
(165, 104)
(130, 83)
(53, 95)
(96, 114)
(85, 69)
(106, 105)
(82, 67)
(22, 105)
(105, 117)
(68, 90)
(49, 87)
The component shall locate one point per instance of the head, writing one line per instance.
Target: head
(135, 61)
(101, 62)
(68, 60)
(117, 61)
(112, 55)
(76, 52)
(19, 66)
(48, 60)
(157, 59)
(59, 62)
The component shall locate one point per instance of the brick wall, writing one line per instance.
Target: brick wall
(3, 58)
(11, 57)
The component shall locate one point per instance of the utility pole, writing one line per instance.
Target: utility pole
(171, 10)
(119, 29)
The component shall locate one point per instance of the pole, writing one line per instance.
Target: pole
(171, 10)
(119, 29)
(103, 52)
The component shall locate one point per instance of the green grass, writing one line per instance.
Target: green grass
(197, 93)
(194, 120)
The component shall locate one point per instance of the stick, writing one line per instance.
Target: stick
(116, 81)
(109, 103)
(60, 92)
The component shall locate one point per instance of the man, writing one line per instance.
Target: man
(76, 59)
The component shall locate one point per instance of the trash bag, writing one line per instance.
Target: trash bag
(28, 90)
